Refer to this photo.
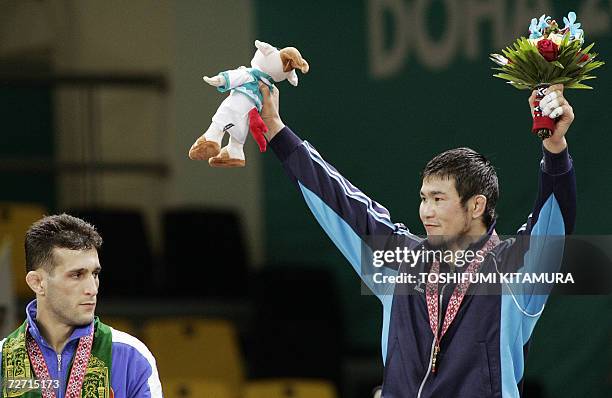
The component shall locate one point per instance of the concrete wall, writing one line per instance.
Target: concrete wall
(184, 40)
(212, 37)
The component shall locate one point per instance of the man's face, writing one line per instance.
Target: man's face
(72, 286)
(441, 210)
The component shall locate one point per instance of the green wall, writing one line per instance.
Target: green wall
(27, 132)
(380, 131)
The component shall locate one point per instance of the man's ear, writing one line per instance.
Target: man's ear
(35, 280)
(478, 205)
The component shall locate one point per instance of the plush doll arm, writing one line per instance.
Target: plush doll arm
(215, 81)
(230, 79)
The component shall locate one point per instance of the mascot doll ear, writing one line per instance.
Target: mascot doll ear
(292, 78)
(292, 59)
(264, 47)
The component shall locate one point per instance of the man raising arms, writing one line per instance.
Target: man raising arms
(440, 342)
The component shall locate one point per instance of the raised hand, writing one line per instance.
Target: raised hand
(270, 112)
(555, 106)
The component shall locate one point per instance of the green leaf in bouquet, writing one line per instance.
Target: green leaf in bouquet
(520, 43)
(527, 68)
(586, 50)
(501, 77)
(560, 80)
(565, 40)
(592, 56)
(587, 68)
(531, 77)
(579, 85)
(532, 51)
(557, 64)
(596, 64)
(512, 78)
(569, 50)
(521, 69)
(572, 66)
(541, 65)
(592, 65)
(513, 56)
(520, 86)
(555, 74)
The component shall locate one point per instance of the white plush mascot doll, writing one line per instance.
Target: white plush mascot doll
(239, 112)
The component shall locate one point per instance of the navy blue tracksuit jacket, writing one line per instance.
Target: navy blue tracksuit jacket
(483, 352)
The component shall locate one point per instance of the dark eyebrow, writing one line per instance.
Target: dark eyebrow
(433, 193)
(98, 269)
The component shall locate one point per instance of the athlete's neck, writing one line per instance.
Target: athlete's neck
(55, 332)
(473, 234)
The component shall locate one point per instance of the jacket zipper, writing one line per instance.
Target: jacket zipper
(59, 374)
(433, 343)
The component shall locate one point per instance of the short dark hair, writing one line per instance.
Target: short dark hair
(473, 174)
(62, 231)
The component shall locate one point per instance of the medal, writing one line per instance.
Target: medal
(455, 301)
(77, 373)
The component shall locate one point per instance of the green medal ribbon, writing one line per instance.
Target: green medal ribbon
(19, 379)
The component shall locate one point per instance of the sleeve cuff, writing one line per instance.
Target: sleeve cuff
(556, 163)
(284, 143)
(225, 85)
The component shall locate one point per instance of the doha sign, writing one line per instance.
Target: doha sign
(438, 33)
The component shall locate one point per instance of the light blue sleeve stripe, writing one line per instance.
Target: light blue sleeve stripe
(350, 190)
(344, 237)
(511, 347)
(521, 311)
(546, 243)
(351, 246)
(387, 301)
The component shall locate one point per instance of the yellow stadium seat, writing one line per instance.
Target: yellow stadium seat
(118, 323)
(196, 388)
(290, 388)
(195, 348)
(15, 219)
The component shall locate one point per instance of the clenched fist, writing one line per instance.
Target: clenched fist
(555, 106)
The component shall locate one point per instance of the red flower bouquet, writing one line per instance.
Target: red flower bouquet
(549, 56)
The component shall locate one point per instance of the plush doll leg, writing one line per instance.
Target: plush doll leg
(231, 155)
(208, 145)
